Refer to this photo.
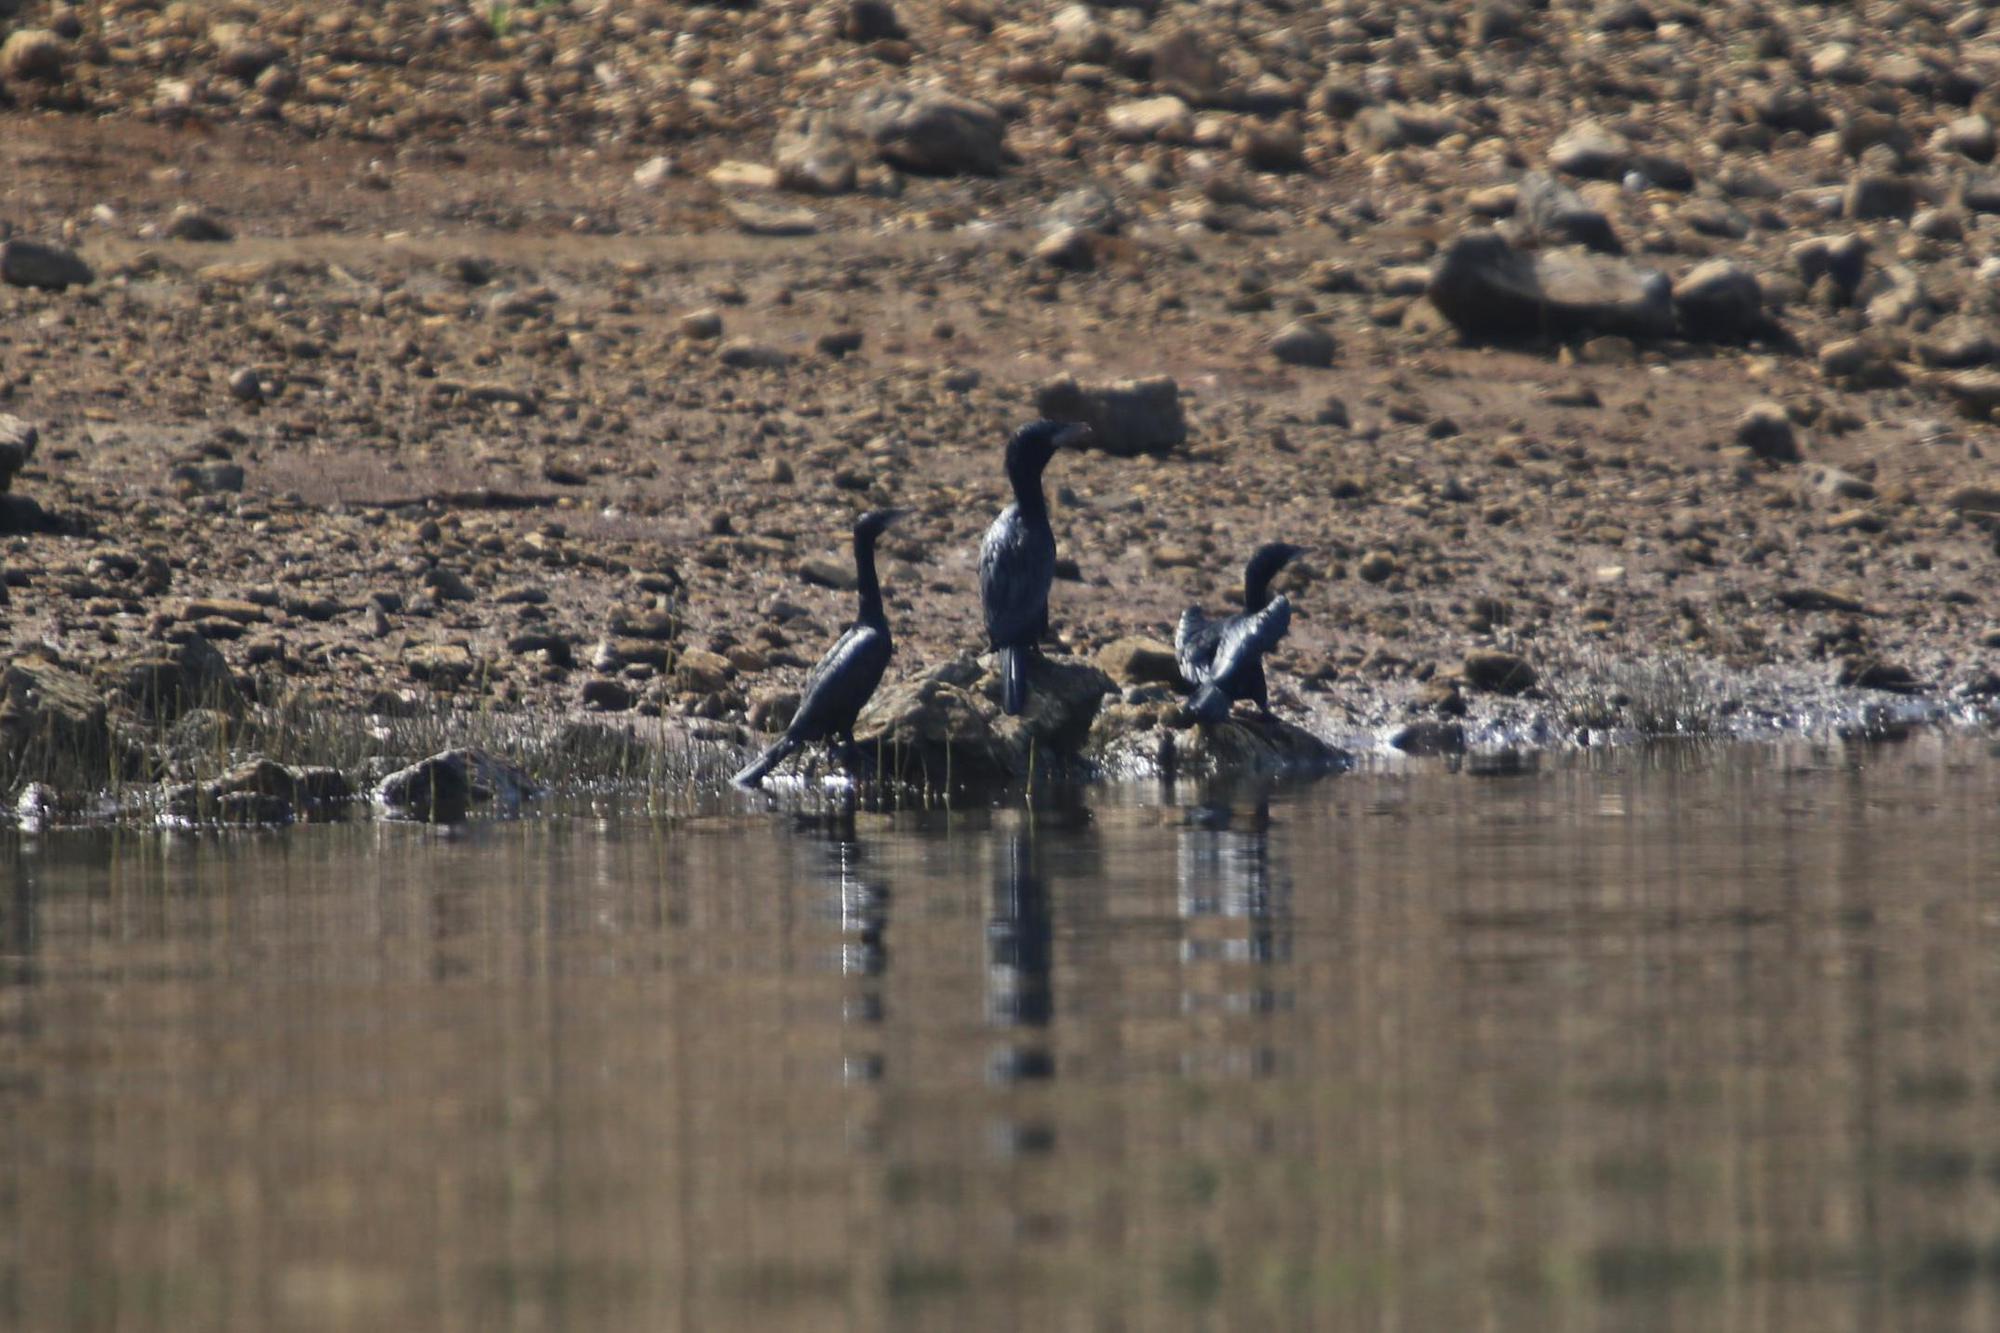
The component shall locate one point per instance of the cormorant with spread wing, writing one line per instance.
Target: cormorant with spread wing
(840, 686)
(1224, 659)
(1017, 561)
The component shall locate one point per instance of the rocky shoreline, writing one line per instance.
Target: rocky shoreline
(1628, 367)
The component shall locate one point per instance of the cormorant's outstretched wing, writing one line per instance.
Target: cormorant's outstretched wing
(1243, 642)
(1245, 639)
(1017, 564)
(1195, 640)
(840, 685)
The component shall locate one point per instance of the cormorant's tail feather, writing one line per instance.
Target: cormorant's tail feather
(765, 762)
(1209, 704)
(1013, 680)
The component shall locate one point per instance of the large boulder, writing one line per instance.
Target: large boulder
(164, 683)
(946, 728)
(1126, 417)
(1490, 290)
(30, 263)
(932, 133)
(1152, 741)
(52, 721)
(17, 446)
(932, 731)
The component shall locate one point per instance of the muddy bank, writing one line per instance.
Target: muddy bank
(531, 361)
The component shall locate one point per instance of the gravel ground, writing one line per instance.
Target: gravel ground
(536, 357)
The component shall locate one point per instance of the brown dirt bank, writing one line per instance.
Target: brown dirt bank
(432, 423)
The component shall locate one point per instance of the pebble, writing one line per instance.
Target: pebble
(1376, 567)
(1766, 430)
(1137, 660)
(749, 354)
(702, 325)
(25, 262)
(246, 384)
(601, 695)
(870, 21)
(1151, 118)
(653, 172)
(447, 584)
(1870, 196)
(1069, 248)
(33, 55)
(1304, 344)
(188, 223)
(1498, 671)
(1591, 151)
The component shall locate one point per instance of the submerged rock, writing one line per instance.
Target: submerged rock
(261, 791)
(1429, 736)
(443, 788)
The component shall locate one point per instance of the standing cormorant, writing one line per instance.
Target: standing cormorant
(840, 686)
(1017, 561)
(1224, 659)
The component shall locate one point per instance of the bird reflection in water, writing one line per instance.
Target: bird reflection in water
(859, 903)
(1020, 996)
(1235, 900)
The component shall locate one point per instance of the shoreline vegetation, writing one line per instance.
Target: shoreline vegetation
(215, 760)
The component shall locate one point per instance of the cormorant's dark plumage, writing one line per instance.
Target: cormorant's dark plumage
(1017, 561)
(1224, 659)
(840, 686)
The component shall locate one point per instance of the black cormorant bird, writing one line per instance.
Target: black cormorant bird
(841, 685)
(1017, 561)
(1224, 659)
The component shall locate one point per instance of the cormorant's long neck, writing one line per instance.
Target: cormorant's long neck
(1027, 483)
(1256, 589)
(870, 587)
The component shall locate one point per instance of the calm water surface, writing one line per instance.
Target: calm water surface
(1701, 1041)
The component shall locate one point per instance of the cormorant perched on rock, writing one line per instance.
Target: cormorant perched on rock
(841, 685)
(1017, 561)
(1224, 659)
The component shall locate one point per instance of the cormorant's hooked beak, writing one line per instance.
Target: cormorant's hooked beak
(874, 523)
(1074, 435)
